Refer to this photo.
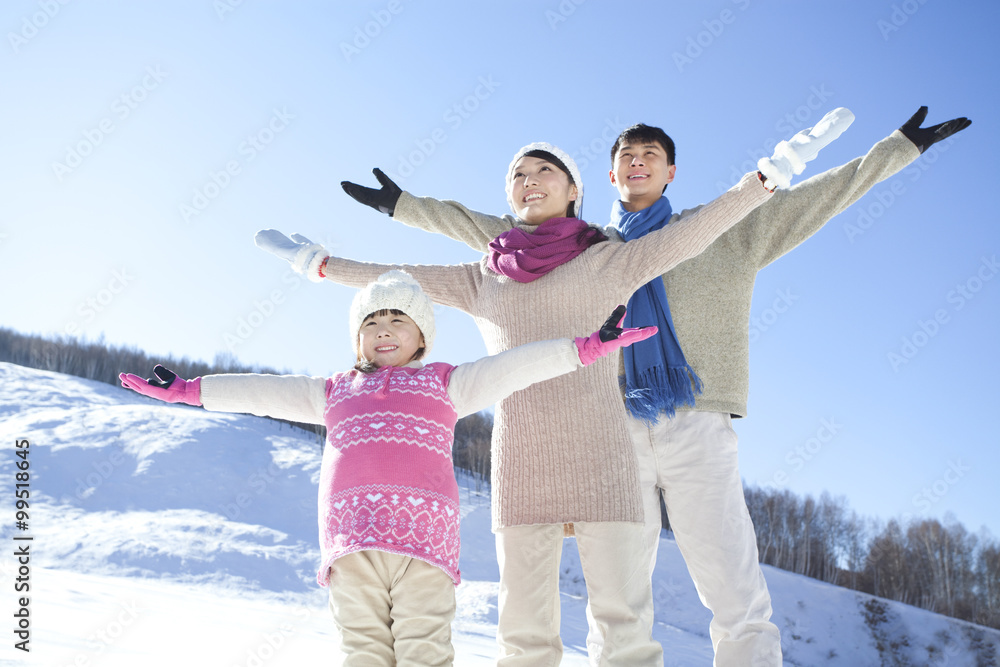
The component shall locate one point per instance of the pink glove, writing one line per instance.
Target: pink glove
(610, 338)
(165, 386)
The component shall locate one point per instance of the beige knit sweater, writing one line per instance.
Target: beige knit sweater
(710, 295)
(561, 449)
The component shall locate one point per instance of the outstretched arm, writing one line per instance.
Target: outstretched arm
(654, 254)
(794, 215)
(659, 251)
(477, 385)
(293, 397)
(296, 398)
(455, 285)
(449, 218)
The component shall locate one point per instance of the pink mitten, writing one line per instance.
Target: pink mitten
(610, 338)
(164, 386)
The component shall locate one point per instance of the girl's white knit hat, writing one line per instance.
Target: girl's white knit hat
(574, 172)
(396, 290)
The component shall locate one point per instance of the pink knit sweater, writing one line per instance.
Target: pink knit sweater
(387, 481)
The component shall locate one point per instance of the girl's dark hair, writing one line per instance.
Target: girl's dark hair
(549, 157)
(365, 366)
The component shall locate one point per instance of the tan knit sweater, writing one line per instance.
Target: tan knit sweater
(710, 295)
(561, 449)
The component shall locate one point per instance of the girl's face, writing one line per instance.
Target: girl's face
(389, 340)
(540, 190)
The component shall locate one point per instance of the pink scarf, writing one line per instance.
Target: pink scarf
(526, 256)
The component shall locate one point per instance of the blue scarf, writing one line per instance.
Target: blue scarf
(657, 377)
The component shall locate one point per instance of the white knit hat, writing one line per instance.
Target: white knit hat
(393, 290)
(574, 172)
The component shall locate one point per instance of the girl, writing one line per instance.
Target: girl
(388, 500)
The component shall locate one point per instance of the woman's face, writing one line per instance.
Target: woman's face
(389, 340)
(540, 190)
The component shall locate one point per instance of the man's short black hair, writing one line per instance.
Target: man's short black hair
(640, 133)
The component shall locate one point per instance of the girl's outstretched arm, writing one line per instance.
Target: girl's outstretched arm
(477, 385)
(293, 397)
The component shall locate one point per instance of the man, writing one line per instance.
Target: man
(690, 457)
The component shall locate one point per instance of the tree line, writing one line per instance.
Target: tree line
(937, 566)
(101, 362)
(923, 562)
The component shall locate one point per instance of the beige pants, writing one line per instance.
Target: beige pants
(392, 610)
(616, 570)
(692, 460)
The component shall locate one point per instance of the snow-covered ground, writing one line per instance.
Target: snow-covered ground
(167, 535)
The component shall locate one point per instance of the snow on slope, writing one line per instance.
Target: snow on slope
(166, 535)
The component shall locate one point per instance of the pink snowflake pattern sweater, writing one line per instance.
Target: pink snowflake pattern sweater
(386, 481)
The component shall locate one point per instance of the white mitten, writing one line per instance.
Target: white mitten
(305, 256)
(790, 156)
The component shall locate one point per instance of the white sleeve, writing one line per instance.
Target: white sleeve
(477, 385)
(296, 398)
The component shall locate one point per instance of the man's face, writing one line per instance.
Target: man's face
(640, 173)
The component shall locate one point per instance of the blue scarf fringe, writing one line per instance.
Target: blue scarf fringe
(659, 390)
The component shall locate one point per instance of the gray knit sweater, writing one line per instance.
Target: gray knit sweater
(561, 449)
(709, 296)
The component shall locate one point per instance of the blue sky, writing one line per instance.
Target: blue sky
(147, 142)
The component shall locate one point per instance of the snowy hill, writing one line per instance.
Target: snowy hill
(165, 535)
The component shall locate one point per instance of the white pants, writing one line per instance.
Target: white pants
(392, 610)
(692, 460)
(619, 592)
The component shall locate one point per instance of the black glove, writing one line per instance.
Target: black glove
(611, 328)
(162, 377)
(924, 137)
(383, 200)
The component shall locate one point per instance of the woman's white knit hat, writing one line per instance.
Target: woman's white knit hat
(574, 172)
(393, 290)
